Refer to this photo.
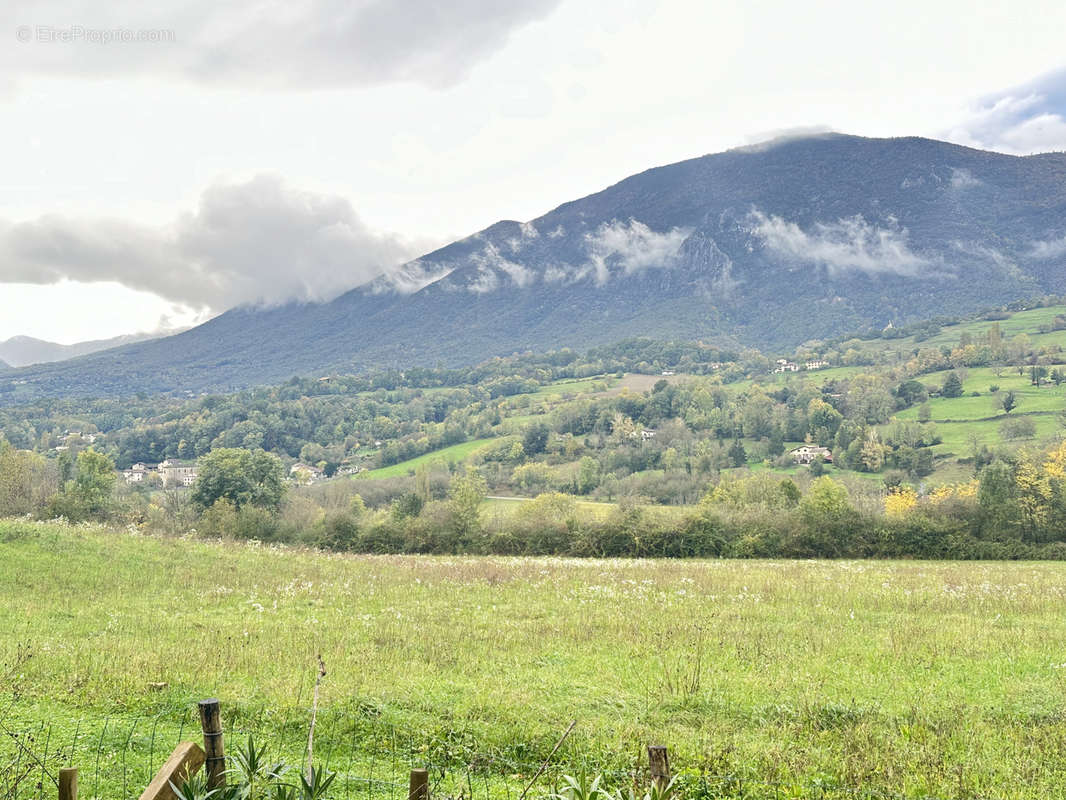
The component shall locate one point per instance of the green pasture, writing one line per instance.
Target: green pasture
(767, 679)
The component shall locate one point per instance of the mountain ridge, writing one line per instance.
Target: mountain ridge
(770, 246)
(21, 351)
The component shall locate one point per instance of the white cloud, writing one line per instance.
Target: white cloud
(631, 247)
(490, 262)
(1030, 118)
(410, 277)
(555, 275)
(486, 281)
(963, 179)
(850, 244)
(765, 140)
(1048, 249)
(254, 242)
(303, 43)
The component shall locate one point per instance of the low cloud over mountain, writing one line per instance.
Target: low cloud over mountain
(260, 242)
(847, 244)
(771, 246)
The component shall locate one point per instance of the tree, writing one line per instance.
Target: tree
(925, 412)
(535, 439)
(465, 498)
(869, 399)
(26, 482)
(872, 454)
(1009, 401)
(826, 499)
(738, 456)
(910, 392)
(588, 474)
(952, 385)
(244, 477)
(88, 494)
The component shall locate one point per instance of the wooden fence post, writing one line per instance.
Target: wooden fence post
(660, 766)
(214, 749)
(68, 783)
(183, 763)
(419, 787)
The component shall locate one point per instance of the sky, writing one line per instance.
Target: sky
(166, 161)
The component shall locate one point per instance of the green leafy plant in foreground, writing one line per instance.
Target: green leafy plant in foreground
(582, 788)
(253, 777)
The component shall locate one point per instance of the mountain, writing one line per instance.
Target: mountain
(769, 245)
(4, 365)
(20, 351)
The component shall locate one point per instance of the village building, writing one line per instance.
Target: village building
(137, 473)
(817, 364)
(807, 453)
(178, 473)
(305, 473)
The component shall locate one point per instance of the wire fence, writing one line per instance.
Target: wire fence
(118, 756)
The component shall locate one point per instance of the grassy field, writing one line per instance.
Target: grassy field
(571, 388)
(771, 679)
(962, 421)
(1027, 322)
(457, 453)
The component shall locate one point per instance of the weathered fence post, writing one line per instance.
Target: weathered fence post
(214, 749)
(660, 766)
(183, 763)
(419, 787)
(68, 783)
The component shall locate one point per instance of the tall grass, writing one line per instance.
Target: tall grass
(815, 678)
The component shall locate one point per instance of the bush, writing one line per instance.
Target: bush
(1017, 428)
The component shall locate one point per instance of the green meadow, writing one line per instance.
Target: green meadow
(456, 454)
(767, 679)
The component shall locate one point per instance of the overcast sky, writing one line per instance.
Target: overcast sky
(265, 151)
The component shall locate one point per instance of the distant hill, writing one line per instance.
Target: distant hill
(20, 351)
(4, 365)
(769, 245)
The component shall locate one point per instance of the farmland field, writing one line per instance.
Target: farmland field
(457, 453)
(765, 678)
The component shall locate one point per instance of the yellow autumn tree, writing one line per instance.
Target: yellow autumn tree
(900, 502)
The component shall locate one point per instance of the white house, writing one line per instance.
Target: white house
(805, 454)
(305, 473)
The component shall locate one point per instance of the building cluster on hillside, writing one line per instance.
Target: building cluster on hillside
(784, 365)
(75, 438)
(171, 473)
(306, 473)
